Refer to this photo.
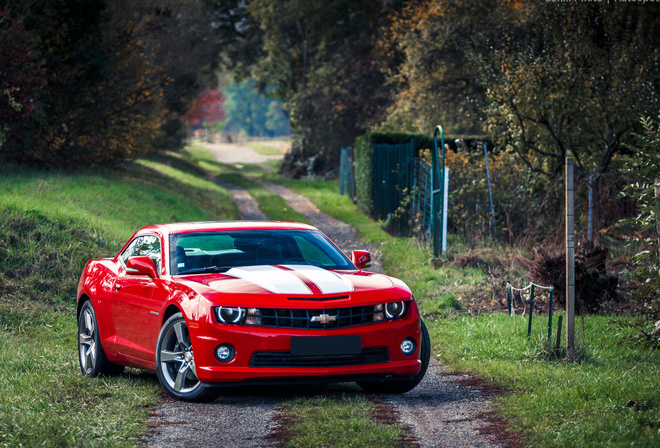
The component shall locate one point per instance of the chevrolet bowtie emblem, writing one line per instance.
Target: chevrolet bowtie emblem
(324, 318)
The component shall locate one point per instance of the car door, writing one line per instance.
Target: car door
(132, 301)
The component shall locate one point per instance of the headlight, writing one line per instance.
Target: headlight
(395, 309)
(391, 310)
(230, 315)
(238, 315)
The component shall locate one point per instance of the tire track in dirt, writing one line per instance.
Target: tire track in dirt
(247, 205)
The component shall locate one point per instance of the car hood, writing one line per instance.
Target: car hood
(279, 285)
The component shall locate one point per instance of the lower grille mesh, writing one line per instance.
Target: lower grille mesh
(285, 359)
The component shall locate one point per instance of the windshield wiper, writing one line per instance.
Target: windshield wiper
(206, 269)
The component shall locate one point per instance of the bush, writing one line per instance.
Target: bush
(645, 190)
(593, 285)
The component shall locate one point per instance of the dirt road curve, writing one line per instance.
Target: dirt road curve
(233, 154)
(441, 411)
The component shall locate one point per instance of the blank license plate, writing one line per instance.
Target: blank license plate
(326, 345)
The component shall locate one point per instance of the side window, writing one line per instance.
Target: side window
(144, 246)
(128, 251)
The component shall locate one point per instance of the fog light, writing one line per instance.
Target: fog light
(225, 353)
(408, 347)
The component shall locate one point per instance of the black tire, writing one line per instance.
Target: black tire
(175, 363)
(402, 386)
(92, 358)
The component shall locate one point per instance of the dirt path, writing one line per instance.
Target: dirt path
(440, 411)
(247, 205)
(236, 154)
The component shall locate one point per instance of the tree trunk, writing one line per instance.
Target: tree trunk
(657, 226)
(596, 211)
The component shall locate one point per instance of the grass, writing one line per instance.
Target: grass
(115, 203)
(338, 421)
(553, 402)
(45, 401)
(51, 223)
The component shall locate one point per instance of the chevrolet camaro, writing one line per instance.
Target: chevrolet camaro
(214, 304)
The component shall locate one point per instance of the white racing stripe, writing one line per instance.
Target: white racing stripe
(273, 279)
(281, 281)
(327, 281)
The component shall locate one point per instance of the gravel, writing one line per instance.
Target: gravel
(442, 412)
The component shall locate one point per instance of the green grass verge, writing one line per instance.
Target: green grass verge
(51, 223)
(550, 402)
(337, 421)
(553, 402)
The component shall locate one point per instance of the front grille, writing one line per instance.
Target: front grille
(285, 359)
(302, 318)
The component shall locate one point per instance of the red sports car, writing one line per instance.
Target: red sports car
(232, 303)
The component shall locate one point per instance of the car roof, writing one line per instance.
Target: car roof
(208, 226)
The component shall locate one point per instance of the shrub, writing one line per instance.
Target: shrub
(593, 284)
(645, 190)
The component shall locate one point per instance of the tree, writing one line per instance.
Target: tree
(426, 47)
(544, 80)
(21, 78)
(644, 169)
(253, 113)
(570, 80)
(208, 107)
(573, 86)
(119, 76)
(320, 61)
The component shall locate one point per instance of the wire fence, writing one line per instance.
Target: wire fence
(522, 293)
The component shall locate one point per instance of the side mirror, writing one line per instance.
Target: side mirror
(141, 266)
(361, 259)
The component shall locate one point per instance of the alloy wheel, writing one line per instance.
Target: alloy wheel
(87, 341)
(177, 360)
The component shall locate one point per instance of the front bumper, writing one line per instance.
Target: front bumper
(248, 340)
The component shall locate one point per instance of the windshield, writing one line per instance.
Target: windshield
(201, 252)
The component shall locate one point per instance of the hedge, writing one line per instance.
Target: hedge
(364, 159)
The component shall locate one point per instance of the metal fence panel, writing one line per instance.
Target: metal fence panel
(391, 176)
